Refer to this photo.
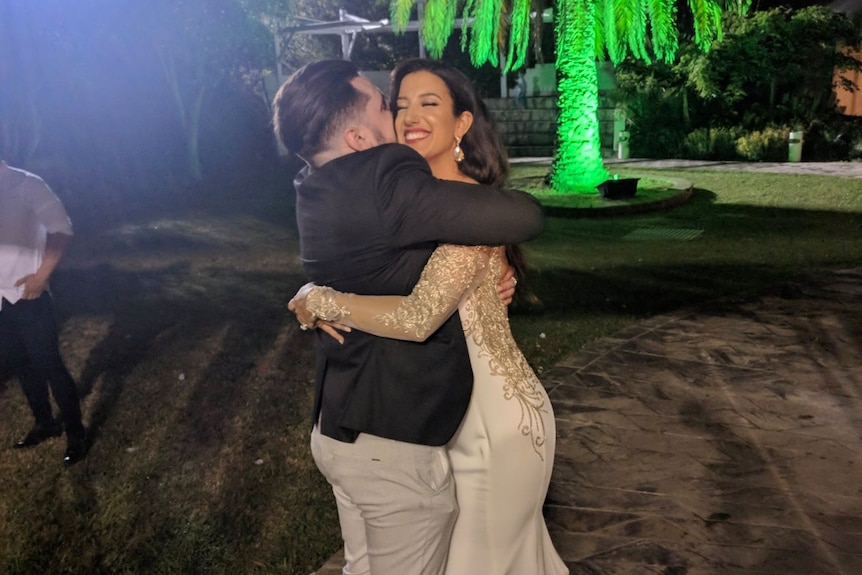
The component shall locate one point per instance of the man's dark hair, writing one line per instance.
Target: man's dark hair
(314, 102)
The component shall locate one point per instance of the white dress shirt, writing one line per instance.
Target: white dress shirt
(29, 211)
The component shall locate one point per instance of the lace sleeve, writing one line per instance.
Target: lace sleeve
(451, 274)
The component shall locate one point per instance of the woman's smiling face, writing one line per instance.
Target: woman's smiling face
(425, 118)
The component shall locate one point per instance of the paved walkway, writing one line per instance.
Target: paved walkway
(723, 440)
(846, 169)
(720, 441)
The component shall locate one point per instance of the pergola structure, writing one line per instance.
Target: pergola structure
(349, 27)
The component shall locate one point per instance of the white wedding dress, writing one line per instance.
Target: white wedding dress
(503, 453)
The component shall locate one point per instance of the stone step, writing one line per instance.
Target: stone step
(533, 103)
(503, 116)
(530, 151)
(530, 139)
(512, 128)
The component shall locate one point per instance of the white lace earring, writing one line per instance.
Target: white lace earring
(458, 152)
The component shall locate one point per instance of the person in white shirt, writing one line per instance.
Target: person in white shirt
(34, 233)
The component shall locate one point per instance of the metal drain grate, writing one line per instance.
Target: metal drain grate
(662, 234)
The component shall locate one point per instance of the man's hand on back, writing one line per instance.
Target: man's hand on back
(506, 286)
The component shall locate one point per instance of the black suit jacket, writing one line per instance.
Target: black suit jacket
(368, 222)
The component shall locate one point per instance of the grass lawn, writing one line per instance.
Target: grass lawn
(196, 382)
(754, 231)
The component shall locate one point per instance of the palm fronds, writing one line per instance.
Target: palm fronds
(487, 27)
(622, 27)
(613, 43)
(663, 32)
(400, 12)
(631, 24)
(707, 22)
(519, 35)
(437, 25)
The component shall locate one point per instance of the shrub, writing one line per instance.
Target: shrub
(655, 114)
(697, 145)
(769, 144)
(836, 139)
(656, 130)
(724, 143)
(711, 144)
(855, 152)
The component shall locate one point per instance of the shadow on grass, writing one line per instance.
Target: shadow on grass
(644, 291)
(158, 310)
(217, 377)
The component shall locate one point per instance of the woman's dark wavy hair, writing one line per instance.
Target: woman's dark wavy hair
(485, 158)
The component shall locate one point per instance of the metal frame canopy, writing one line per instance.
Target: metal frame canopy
(349, 27)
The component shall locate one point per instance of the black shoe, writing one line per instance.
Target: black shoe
(76, 448)
(39, 434)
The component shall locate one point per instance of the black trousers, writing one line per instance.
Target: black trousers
(28, 339)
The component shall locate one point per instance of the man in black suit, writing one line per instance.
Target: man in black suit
(369, 214)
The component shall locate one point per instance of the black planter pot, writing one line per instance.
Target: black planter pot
(618, 189)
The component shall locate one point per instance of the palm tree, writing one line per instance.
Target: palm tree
(586, 30)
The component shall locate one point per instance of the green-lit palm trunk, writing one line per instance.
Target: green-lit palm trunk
(578, 166)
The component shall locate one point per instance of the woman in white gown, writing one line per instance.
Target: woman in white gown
(503, 453)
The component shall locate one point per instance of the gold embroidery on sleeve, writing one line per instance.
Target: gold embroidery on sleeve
(449, 273)
(321, 302)
(485, 321)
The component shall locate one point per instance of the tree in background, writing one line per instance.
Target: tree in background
(585, 30)
(771, 72)
(127, 100)
(775, 66)
(200, 45)
(20, 129)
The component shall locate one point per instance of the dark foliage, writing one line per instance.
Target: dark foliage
(771, 73)
(99, 98)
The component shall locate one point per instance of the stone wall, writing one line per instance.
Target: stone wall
(532, 131)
